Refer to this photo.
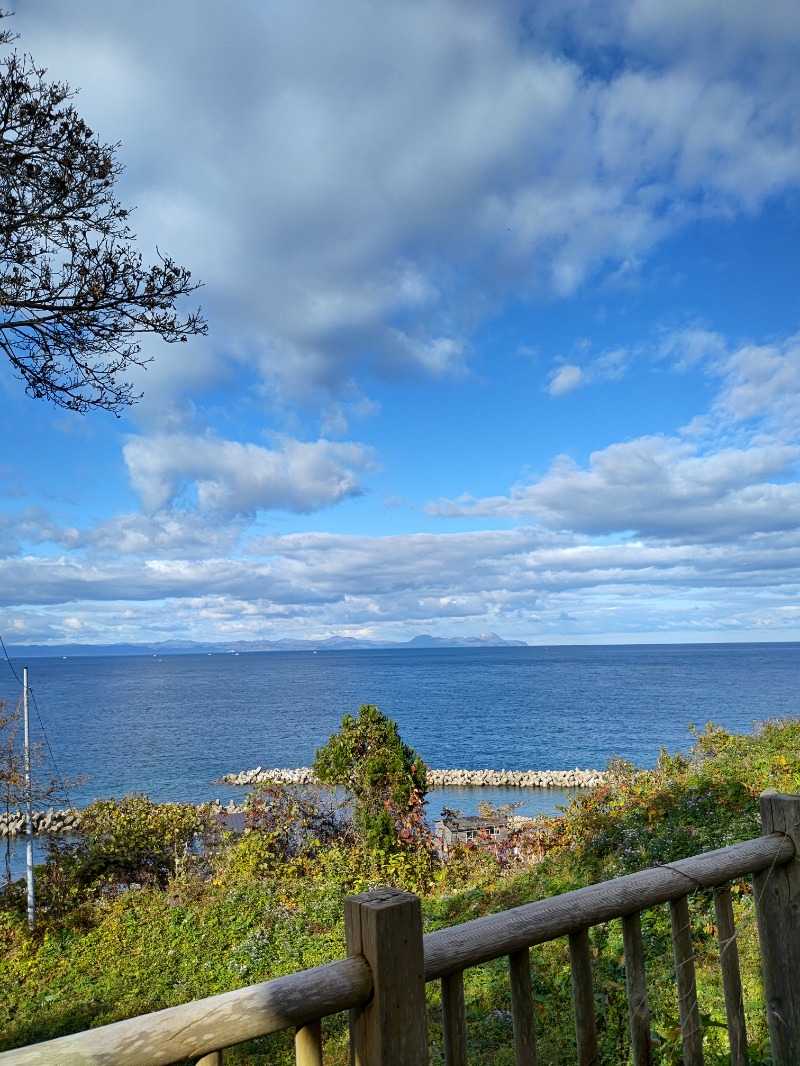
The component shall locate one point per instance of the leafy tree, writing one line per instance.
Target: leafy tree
(386, 777)
(75, 295)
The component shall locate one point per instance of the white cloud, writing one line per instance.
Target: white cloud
(176, 534)
(565, 379)
(517, 582)
(611, 365)
(240, 479)
(686, 348)
(763, 381)
(373, 181)
(657, 487)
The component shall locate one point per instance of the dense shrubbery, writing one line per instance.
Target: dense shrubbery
(687, 804)
(136, 916)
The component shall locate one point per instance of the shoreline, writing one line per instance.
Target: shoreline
(67, 820)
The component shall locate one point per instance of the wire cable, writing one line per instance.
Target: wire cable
(62, 785)
(10, 664)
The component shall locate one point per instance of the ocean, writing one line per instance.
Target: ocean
(170, 725)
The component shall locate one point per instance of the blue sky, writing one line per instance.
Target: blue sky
(504, 309)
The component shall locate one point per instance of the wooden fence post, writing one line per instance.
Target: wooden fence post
(385, 926)
(777, 895)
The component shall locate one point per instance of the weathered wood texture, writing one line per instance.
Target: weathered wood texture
(688, 1007)
(731, 976)
(385, 926)
(519, 972)
(205, 1025)
(308, 1044)
(214, 1058)
(636, 984)
(495, 935)
(580, 963)
(777, 895)
(454, 1020)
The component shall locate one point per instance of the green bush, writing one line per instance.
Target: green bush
(386, 777)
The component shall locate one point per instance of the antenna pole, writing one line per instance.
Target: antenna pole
(28, 807)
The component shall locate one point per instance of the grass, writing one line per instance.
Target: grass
(110, 950)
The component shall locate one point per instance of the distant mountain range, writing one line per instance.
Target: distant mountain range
(190, 647)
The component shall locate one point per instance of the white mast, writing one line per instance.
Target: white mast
(28, 808)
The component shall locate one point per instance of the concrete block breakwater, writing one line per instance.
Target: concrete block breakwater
(576, 778)
(12, 823)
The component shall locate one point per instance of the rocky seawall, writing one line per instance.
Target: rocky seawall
(576, 778)
(12, 823)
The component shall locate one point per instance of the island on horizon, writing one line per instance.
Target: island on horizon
(191, 647)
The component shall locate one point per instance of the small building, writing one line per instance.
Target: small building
(467, 829)
(230, 818)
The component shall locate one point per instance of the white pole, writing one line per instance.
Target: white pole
(28, 808)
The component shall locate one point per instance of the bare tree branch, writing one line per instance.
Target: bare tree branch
(75, 295)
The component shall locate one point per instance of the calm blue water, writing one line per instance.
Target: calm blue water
(169, 726)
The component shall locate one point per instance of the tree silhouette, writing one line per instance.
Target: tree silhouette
(75, 295)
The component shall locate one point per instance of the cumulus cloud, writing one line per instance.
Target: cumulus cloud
(175, 534)
(656, 486)
(763, 382)
(731, 471)
(369, 176)
(240, 479)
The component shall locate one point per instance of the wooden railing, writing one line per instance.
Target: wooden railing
(382, 981)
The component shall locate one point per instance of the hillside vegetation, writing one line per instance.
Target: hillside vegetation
(134, 916)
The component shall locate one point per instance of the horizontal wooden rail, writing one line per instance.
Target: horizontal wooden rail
(205, 1025)
(456, 948)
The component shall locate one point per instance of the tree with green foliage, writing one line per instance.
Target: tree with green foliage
(131, 840)
(385, 776)
(75, 295)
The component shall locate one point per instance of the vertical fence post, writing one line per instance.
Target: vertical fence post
(731, 976)
(385, 926)
(580, 960)
(777, 894)
(688, 1007)
(636, 983)
(308, 1044)
(454, 1020)
(519, 966)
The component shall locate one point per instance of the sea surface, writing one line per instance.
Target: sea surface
(170, 725)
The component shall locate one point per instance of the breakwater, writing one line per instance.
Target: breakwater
(576, 778)
(12, 823)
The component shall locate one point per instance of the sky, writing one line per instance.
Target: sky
(504, 327)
